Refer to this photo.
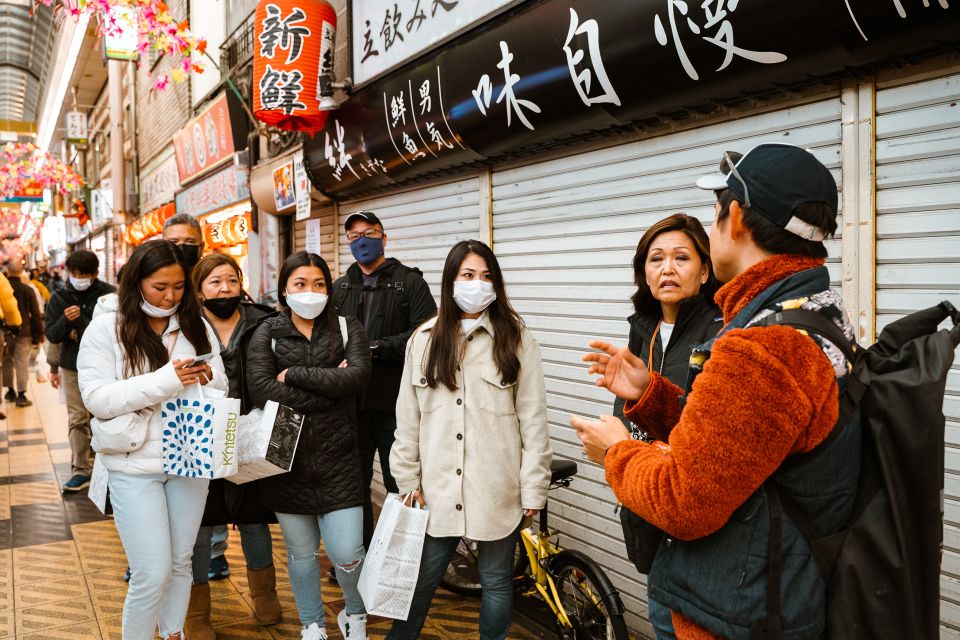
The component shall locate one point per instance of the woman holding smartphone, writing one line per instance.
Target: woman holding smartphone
(472, 441)
(218, 282)
(137, 352)
(302, 359)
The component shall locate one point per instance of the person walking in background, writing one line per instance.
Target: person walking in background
(674, 311)
(219, 283)
(69, 313)
(184, 231)
(137, 352)
(301, 359)
(16, 352)
(10, 318)
(391, 300)
(472, 438)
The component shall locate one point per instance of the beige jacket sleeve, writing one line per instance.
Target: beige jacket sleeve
(405, 453)
(531, 407)
(8, 304)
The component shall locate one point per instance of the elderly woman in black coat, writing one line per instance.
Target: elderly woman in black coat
(316, 363)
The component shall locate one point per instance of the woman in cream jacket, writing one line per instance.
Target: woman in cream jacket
(472, 441)
(137, 352)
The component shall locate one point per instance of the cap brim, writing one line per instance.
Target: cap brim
(712, 182)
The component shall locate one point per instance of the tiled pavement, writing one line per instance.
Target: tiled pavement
(61, 561)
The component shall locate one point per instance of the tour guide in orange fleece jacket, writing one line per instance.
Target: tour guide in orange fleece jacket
(765, 393)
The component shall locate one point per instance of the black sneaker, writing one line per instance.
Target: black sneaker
(11, 395)
(22, 401)
(219, 569)
(78, 482)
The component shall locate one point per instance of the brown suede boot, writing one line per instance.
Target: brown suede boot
(263, 592)
(197, 625)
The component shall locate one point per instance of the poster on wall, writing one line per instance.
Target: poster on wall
(303, 187)
(284, 195)
(312, 244)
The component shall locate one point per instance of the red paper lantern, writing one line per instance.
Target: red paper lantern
(293, 46)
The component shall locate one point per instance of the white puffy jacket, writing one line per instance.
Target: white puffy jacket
(108, 393)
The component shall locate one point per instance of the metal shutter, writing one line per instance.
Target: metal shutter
(328, 239)
(918, 254)
(422, 224)
(565, 232)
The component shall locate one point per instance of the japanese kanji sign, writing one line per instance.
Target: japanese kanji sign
(206, 141)
(293, 46)
(388, 32)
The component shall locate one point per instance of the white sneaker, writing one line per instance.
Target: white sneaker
(353, 627)
(313, 632)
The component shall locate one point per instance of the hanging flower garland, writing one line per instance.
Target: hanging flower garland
(23, 165)
(156, 29)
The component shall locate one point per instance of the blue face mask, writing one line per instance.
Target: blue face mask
(366, 250)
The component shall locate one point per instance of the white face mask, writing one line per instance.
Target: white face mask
(473, 296)
(307, 304)
(81, 284)
(157, 312)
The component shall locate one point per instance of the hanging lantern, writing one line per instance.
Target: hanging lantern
(213, 235)
(293, 47)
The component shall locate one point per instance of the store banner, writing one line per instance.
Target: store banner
(27, 191)
(223, 188)
(284, 195)
(547, 71)
(101, 209)
(205, 142)
(159, 185)
(121, 36)
(303, 187)
(387, 34)
(77, 128)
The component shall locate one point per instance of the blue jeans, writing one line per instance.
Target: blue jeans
(157, 517)
(218, 540)
(342, 534)
(496, 578)
(254, 539)
(661, 620)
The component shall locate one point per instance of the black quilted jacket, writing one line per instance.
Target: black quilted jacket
(326, 474)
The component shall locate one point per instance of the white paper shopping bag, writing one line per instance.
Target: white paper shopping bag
(267, 442)
(392, 565)
(199, 435)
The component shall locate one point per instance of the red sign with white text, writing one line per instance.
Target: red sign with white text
(205, 141)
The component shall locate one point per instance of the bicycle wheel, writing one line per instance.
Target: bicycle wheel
(463, 573)
(588, 598)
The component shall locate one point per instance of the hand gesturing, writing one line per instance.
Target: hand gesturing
(622, 373)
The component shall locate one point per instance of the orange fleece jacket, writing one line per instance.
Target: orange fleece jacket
(765, 393)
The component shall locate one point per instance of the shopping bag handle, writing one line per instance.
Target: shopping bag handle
(414, 503)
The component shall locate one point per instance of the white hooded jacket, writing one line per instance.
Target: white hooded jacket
(108, 393)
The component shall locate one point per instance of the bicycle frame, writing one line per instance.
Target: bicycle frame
(538, 548)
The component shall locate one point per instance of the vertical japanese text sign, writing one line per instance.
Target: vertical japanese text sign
(293, 46)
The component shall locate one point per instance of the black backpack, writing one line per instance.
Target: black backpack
(882, 570)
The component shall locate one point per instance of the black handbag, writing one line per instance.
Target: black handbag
(641, 538)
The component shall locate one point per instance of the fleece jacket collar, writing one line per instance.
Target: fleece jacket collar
(737, 294)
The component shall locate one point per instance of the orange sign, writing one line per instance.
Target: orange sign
(205, 141)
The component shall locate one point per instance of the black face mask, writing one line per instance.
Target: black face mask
(222, 307)
(191, 254)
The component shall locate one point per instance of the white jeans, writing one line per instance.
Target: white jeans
(157, 517)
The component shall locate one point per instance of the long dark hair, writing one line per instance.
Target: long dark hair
(303, 259)
(643, 300)
(143, 348)
(445, 349)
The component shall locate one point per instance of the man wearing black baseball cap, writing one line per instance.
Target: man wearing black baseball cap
(391, 300)
(733, 564)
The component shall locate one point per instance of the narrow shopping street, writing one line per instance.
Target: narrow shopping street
(62, 564)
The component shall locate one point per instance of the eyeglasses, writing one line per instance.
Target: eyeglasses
(736, 174)
(369, 233)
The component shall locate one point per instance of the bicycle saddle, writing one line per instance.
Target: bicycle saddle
(562, 469)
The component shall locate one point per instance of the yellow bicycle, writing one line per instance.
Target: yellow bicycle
(569, 583)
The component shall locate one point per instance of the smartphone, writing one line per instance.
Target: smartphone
(198, 360)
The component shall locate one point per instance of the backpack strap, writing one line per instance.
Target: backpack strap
(815, 323)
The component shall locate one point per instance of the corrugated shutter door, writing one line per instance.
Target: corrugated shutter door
(422, 224)
(918, 254)
(565, 232)
(328, 249)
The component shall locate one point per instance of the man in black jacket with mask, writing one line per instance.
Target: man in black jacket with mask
(68, 313)
(184, 231)
(391, 300)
